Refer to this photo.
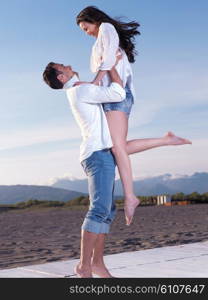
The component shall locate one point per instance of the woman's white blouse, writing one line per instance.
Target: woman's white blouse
(103, 56)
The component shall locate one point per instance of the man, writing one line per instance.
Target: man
(96, 159)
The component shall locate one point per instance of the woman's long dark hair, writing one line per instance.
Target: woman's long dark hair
(126, 31)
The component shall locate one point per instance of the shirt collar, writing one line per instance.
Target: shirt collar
(71, 81)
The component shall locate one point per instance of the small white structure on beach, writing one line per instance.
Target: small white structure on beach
(163, 199)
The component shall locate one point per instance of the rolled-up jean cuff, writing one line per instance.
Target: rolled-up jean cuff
(96, 227)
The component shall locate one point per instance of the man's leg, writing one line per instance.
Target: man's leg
(97, 264)
(100, 169)
(88, 239)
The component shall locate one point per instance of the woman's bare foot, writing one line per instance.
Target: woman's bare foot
(172, 139)
(82, 272)
(129, 208)
(101, 270)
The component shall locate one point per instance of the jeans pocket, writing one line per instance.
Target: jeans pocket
(87, 163)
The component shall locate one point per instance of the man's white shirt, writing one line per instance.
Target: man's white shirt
(86, 105)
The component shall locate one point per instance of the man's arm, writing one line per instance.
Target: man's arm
(114, 77)
(92, 93)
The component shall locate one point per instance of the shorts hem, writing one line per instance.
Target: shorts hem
(115, 109)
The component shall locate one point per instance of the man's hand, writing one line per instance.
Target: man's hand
(80, 82)
(95, 82)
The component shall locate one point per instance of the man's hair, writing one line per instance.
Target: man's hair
(50, 76)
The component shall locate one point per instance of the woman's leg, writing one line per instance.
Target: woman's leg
(118, 125)
(169, 139)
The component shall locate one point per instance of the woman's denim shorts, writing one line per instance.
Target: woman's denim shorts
(124, 105)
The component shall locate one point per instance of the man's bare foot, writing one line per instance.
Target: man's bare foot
(82, 272)
(172, 139)
(129, 208)
(101, 271)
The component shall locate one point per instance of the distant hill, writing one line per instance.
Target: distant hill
(80, 185)
(10, 194)
(64, 190)
(167, 183)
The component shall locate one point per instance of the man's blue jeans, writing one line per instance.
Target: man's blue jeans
(100, 170)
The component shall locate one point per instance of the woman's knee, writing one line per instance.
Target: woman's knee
(118, 148)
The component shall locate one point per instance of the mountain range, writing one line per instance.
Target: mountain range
(167, 183)
(10, 194)
(66, 189)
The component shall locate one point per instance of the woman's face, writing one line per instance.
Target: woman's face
(89, 28)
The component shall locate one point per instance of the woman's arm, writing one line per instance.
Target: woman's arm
(113, 75)
(110, 44)
(99, 76)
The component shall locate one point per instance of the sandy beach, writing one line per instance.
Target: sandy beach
(34, 237)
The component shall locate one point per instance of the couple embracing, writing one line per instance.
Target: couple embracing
(102, 108)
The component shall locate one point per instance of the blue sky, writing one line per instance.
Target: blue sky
(39, 139)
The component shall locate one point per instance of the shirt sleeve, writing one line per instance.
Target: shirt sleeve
(91, 93)
(110, 43)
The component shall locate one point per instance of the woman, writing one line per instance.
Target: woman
(115, 38)
(112, 39)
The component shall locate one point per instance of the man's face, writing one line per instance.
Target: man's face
(89, 28)
(66, 72)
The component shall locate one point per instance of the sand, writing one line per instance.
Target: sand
(34, 237)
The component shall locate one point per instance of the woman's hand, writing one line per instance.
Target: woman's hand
(80, 82)
(99, 77)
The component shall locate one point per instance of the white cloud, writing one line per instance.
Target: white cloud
(165, 91)
(36, 135)
(143, 112)
(42, 169)
(175, 176)
(66, 176)
(157, 104)
(184, 159)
